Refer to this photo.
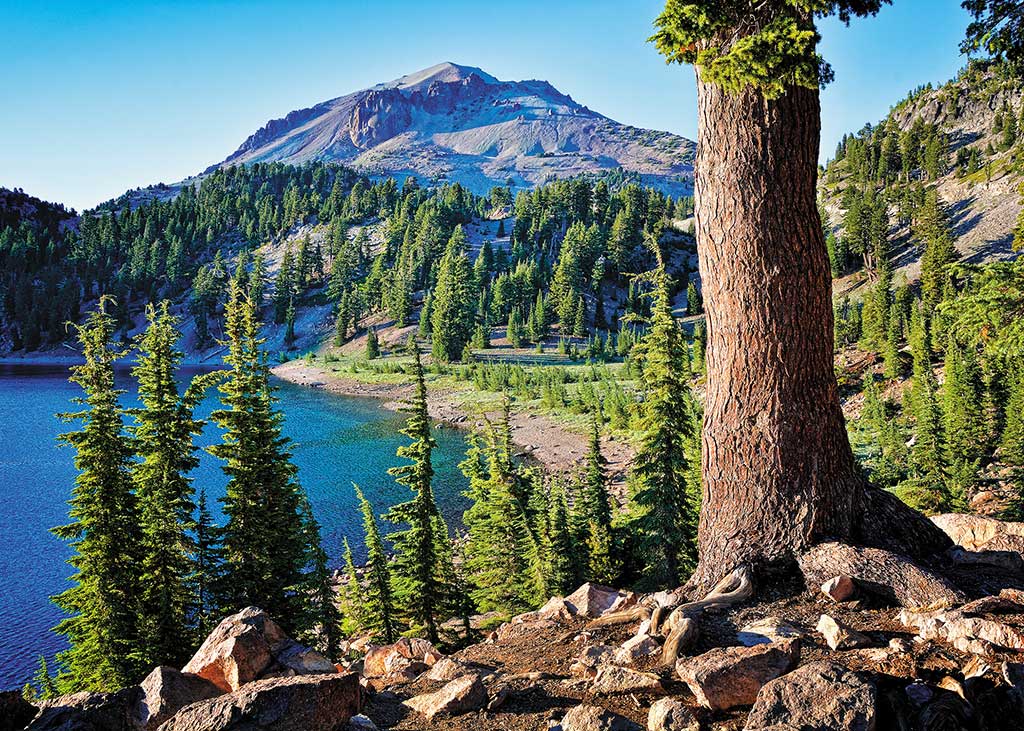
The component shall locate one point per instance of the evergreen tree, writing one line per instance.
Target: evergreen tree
(372, 345)
(264, 541)
(418, 580)
(452, 314)
(102, 629)
(661, 507)
(322, 620)
(163, 436)
(208, 567)
(938, 249)
(379, 603)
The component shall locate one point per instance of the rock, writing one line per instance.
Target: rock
(726, 677)
(557, 609)
(968, 634)
(839, 588)
(588, 660)
(769, 629)
(447, 669)
(392, 659)
(499, 697)
(900, 644)
(670, 714)
(88, 712)
(821, 695)
(976, 533)
(636, 648)
(15, 711)
(839, 637)
(594, 718)
(238, 650)
(613, 680)
(592, 600)
(303, 702)
(459, 696)
(1013, 674)
(919, 693)
(302, 660)
(361, 723)
(1009, 560)
(1008, 601)
(165, 691)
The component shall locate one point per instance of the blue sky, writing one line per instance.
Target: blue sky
(102, 97)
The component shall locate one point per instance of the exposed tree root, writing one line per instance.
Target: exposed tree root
(893, 576)
(734, 588)
(889, 523)
(624, 617)
(682, 636)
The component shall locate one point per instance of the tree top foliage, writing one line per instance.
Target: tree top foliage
(998, 29)
(765, 44)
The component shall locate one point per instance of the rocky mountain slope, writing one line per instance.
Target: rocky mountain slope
(978, 168)
(869, 643)
(459, 123)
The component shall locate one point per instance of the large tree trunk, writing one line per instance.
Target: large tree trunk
(779, 474)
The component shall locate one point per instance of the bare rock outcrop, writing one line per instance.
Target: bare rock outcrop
(594, 718)
(165, 691)
(15, 711)
(615, 680)
(461, 695)
(671, 714)
(821, 695)
(300, 703)
(88, 712)
(841, 637)
(391, 659)
(727, 677)
(249, 645)
(977, 533)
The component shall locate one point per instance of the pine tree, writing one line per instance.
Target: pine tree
(595, 494)
(208, 567)
(163, 436)
(372, 345)
(264, 541)
(321, 625)
(418, 582)
(354, 610)
(289, 332)
(452, 309)
(661, 507)
(559, 547)
(505, 558)
(938, 250)
(927, 489)
(102, 629)
(379, 603)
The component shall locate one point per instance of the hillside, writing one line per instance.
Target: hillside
(960, 139)
(460, 124)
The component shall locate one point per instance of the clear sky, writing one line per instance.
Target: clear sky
(98, 98)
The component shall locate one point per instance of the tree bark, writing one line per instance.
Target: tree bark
(779, 475)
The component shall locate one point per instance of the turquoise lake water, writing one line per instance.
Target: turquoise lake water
(336, 441)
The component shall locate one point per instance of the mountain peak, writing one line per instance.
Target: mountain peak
(454, 122)
(445, 72)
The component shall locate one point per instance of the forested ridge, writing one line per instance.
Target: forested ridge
(927, 308)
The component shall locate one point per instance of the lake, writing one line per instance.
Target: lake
(336, 441)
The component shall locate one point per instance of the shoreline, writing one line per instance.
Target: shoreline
(537, 437)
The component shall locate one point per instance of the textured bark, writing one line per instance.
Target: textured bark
(881, 572)
(779, 474)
